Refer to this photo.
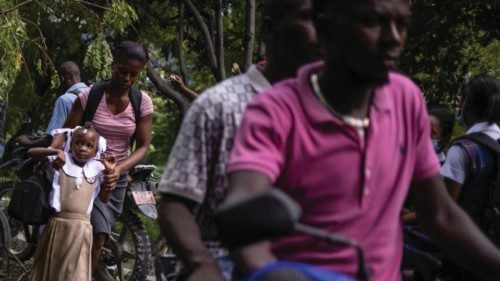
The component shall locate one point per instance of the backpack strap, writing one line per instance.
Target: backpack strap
(488, 143)
(95, 96)
(135, 97)
(483, 140)
(494, 147)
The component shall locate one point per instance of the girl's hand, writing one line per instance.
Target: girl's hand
(60, 160)
(109, 162)
(111, 178)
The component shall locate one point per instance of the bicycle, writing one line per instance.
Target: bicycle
(5, 238)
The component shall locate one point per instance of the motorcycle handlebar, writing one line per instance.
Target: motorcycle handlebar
(11, 163)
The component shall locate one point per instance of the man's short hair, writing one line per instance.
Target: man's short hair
(339, 6)
(274, 8)
(319, 6)
(69, 67)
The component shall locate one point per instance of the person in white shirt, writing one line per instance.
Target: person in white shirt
(469, 168)
(479, 112)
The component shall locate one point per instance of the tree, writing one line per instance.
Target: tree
(249, 40)
(448, 43)
(36, 36)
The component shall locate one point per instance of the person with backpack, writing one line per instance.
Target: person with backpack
(63, 252)
(471, 162)
(70, 77)
(467, 158)
(122, 114)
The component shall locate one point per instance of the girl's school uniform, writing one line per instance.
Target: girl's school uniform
(63, 252)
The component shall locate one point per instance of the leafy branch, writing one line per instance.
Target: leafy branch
(4, 12)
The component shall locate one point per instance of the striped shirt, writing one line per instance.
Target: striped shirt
(117, 129)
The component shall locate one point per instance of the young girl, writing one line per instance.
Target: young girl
(442, 124)
(63, 252)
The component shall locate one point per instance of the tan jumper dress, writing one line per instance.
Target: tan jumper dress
(63, 252)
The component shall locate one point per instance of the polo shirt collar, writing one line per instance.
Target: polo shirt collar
(257, 80)
(315, 110)
(76, 87)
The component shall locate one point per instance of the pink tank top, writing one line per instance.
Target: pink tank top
(117, 129)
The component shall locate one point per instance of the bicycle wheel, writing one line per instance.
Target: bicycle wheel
(21, 234)
(126, 255)
(5, 238)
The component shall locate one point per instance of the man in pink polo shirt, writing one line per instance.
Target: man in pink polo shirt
(346, 139)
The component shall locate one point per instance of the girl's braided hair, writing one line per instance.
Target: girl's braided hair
(87, 126)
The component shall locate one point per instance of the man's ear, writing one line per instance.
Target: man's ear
(321, 23)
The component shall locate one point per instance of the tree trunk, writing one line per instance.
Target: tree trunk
(219, 39)
(249, 39)
(166, 91)
(206, 37)
(180, 43)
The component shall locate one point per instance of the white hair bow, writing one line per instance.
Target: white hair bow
(101, 147)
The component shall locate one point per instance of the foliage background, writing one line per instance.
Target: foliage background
(449, 42)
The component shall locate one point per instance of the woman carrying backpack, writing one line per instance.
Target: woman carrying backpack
(469, 167)
(121, 114)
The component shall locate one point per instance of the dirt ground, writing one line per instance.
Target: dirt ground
(14, 271)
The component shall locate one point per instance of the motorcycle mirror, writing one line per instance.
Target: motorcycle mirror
(265, 215)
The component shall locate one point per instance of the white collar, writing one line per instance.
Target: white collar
(92, 168)
(75, 87)
(257, 80)
(492, 130)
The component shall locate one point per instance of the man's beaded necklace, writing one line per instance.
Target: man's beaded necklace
(361, 124)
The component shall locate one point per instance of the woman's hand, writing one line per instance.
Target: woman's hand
(60, 160)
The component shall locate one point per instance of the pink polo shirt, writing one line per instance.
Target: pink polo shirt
(344, 183)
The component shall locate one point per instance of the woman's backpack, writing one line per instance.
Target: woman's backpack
(29, 202)
(95, 96)
(490, 215)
